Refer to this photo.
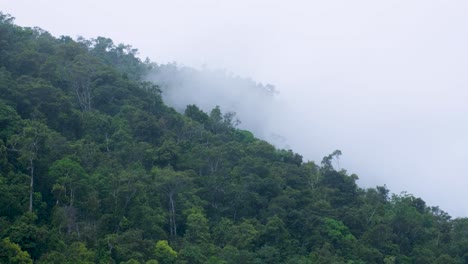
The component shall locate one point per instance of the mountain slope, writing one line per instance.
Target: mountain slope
(95, 168)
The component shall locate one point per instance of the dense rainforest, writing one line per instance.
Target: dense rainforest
(95, 168)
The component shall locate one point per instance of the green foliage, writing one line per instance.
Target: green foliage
(12, 253)
(78, 253)
(95, 168)
(197, 228)
(9, 121)
(244, 234)
(130, 261)
(196, 114)
(70, 178)
(164, 253)
(336, 231)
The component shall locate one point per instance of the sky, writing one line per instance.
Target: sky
(383, 81)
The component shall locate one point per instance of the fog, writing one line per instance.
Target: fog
(256, 106)
(383, 81)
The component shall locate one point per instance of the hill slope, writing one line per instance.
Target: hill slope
(95, 168)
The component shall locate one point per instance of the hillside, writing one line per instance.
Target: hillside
(96, 168)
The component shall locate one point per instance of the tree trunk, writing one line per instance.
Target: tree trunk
(172, 220)
(31, 186)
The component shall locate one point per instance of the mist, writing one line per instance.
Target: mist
(383, 81)
(253, 103)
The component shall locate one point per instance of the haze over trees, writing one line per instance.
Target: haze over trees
(95, 168)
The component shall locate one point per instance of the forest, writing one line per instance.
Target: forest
(96, 168)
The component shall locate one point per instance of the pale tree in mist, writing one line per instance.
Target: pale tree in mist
(79, 76)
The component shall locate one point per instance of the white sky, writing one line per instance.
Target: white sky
(383, 81)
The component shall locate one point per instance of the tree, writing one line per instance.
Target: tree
(70, 179)
(445, 259)
(222, 232)
(221, 123)
(196, 114)
(31, 237)
(69, 176)
(164, 253)
(244, 234)
(80, 75)
(12, 253)
(80, 254)
(327, 161)
(9, 121)
(275, 232)
(170, 183)
(336, 231)
(29, 144)
(197, 228)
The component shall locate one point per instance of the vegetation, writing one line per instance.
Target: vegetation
(95, 168)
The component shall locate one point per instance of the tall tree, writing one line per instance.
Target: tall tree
(28, 144)
(170, 183)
